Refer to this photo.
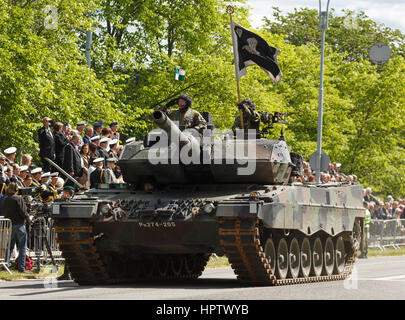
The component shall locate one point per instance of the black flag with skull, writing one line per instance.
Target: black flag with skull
(250, 49)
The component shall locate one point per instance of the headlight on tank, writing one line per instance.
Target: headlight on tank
(209, 207)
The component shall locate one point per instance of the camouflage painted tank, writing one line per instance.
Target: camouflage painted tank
(187, 198)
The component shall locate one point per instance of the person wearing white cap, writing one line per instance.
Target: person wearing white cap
(109, 170)
(45, 177)
(10, 154)
(23, 174)
(91, 168)
(102, 149)
(16, 176)
(47, 191)
(95, 140)
(112, 153)
(36, 176)
(52, 185)
(97, 175)
(44, 186)
(80, 126)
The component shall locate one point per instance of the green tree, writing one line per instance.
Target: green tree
(43, 71)
(351, 33)
(363, 125)
(136, 48)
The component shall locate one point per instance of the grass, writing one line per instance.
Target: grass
(214, 262)
(374, 252)
(218, 262)
(46, 271)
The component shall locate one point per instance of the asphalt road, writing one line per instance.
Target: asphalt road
(373, 279)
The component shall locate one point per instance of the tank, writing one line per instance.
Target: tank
(187, 197)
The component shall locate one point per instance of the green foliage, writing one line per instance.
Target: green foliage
(138, 43)
(42, 70)
(350, 33)
(364, 106)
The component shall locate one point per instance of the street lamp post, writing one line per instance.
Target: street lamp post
(89, 39)
(323, 25)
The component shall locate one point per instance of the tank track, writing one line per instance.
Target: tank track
(88, 267)
(76, 242)
(170, 267)
(240, 240)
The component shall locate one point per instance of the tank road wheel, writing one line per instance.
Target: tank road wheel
(270, 252)
(329, 256)
(176, 265)
(294, 258)
(282, 259)
(305, 253)
(317, 257)
(340, 255)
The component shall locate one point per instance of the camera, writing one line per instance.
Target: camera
(26, 191)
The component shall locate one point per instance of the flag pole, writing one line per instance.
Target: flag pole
(230, 10)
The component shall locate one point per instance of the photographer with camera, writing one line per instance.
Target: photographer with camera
(251, 118)
(15, 209)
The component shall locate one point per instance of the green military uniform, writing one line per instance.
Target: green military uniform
(251, 120)
(188, 118)
(185, 116)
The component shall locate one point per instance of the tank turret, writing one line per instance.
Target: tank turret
(170, 155)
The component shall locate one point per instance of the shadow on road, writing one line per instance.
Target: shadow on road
(63, 286)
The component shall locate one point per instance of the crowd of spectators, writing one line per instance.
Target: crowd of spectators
(390, 209)
(77, 151)
(332, 174)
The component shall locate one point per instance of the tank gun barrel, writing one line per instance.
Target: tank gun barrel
(173, 131)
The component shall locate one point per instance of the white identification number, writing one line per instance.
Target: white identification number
(156, 224)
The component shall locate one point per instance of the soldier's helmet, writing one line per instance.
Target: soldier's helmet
(186, 98)
(250, 103)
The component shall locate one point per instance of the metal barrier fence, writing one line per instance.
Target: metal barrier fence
(41, 234)
(5, 237)
(386, 233)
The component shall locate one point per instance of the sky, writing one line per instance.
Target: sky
(388, 12)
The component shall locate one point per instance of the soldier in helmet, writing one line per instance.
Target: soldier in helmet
(184, 115)
(251, 118)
